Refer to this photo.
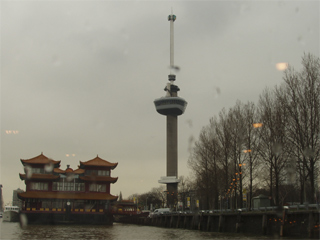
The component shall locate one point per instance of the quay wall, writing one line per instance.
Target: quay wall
(276, 223)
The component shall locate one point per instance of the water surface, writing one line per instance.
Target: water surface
(117, 231)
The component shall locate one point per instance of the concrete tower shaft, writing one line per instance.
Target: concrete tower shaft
(171, 106)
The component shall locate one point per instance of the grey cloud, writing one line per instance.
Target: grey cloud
(81, 77)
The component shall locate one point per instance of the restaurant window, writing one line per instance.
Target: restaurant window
(79, 187)
(39, 186)
(98, 172)
(101, 187)
(92, 187)
(79, 204)
(60, 186)
(97, 187)
(57, 186)
(56, 204)
(103, 172)
(68, 186)
(37, 170)
(91, 172)
(46, 204)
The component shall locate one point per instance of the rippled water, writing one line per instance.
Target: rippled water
(117, 231)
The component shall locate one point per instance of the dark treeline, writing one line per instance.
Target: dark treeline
(270, 147)
(157, 197)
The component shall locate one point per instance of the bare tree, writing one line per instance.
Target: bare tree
(160, 194)
(203, 163)
(223, 134)
(273, 139)
(302, 101)
(185, 186)
(251, 143)
(157, 197)
(238, 134)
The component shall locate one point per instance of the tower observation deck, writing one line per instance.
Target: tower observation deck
(171, 106)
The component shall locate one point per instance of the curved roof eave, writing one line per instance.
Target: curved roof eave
(40, 159)
(98, 162)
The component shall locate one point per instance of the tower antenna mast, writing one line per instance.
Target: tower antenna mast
(171, 18)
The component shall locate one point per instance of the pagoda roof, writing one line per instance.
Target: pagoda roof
(38, 176)
(99, 179)
(67, 195)
(58, 170)
(98, 162)
(41, 159)
(68, 170)
(78, 171)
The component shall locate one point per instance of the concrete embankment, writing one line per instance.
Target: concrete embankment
(276, 223)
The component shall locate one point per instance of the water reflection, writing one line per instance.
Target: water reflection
(67, 232)
(117, 231)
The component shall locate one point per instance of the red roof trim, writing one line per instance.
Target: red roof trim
(98, 179)
(38, 176)
(77, 171)
(66, 195)
(58, 170)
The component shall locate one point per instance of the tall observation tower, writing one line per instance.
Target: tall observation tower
(171, 106)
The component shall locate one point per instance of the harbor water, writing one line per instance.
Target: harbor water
(11, 230)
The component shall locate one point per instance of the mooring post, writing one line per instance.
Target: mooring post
(200, 218)
(208, 223)
(264, 224)
(221, 220)
(238, 224)
(311, 225)
(178, 221)
(284, 217)
(195, 220)
(171, 221)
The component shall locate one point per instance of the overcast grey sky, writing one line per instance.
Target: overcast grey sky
(80, 77)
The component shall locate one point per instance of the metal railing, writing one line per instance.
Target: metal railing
(298, 207)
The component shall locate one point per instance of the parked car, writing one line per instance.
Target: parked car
(159, 211)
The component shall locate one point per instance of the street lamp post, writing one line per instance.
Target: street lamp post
(146, 203)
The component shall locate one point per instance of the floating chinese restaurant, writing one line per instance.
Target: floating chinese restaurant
(54, 195)
(124, 208)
